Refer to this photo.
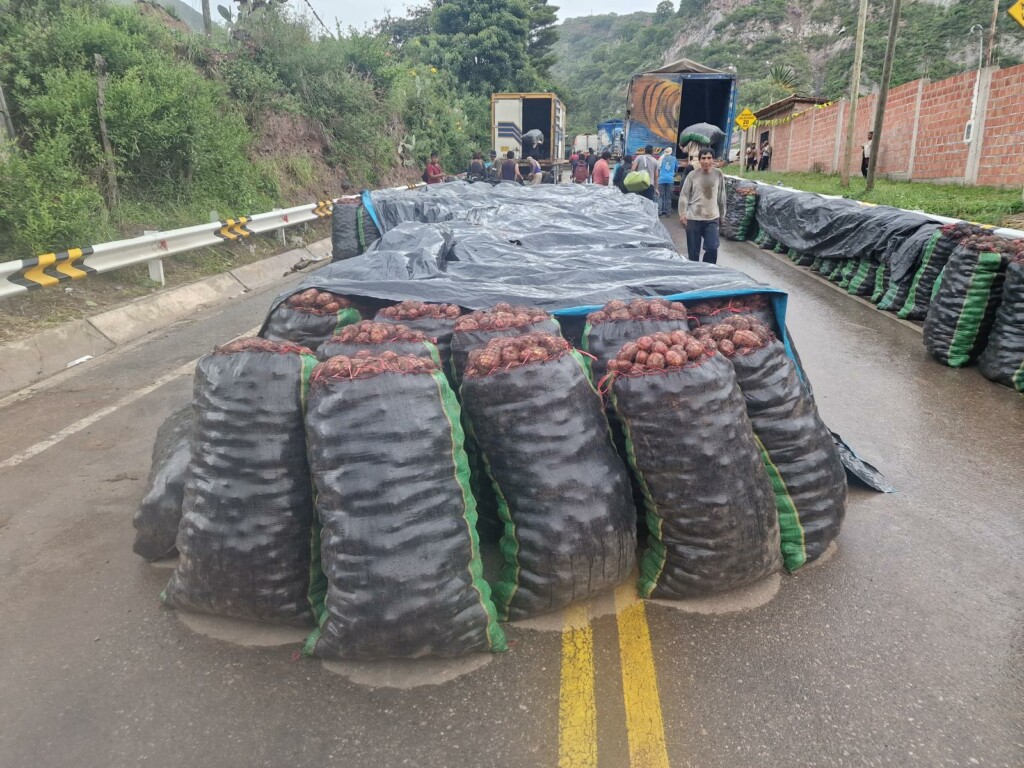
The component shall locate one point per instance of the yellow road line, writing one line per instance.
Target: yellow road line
(577, 707)
(644, 723)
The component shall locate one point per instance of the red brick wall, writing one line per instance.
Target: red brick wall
(1002, 149)
(939, 151)
(898, 130)
(945, 110)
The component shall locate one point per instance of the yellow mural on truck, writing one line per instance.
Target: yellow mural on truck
(654, 110)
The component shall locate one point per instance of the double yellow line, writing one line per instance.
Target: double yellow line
(577, 733)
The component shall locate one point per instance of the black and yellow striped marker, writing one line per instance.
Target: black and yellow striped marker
(323, 208)
(52, 268)
(234, 229)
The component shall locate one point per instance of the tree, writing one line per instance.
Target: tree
(543, 36)
(665, 10)
(484, 43)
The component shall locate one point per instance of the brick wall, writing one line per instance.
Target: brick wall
(939, 150)
(1002, 148)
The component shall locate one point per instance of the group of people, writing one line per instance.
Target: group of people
(590, 168)
(506, 168)
(759, 159)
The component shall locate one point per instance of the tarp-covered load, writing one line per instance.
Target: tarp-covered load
(1003, 358)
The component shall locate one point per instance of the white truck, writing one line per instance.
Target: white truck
(585, 141)
(516, 119)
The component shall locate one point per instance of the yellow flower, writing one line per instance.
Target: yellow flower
(412, 72)
(433, 70)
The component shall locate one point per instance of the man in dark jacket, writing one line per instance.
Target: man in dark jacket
(621, 170)
(592, 159)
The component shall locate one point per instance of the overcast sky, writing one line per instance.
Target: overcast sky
(359, 14)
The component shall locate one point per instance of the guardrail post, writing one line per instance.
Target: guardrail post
(280, 232)
(156, 266)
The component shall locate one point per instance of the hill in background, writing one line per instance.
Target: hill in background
(596, 55)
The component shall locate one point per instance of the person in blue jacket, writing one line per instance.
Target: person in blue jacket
(666, 180)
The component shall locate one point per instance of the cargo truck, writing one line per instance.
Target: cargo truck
(663, 102)
(516, 114)
(610, 135)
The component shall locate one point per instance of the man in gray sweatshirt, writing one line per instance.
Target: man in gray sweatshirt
(702, 208)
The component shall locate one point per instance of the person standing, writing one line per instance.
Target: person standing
(618, 178)
(647, 163)
(865, 155)
(582, 173)
(534, 177)
(766, 156)
(666, 180)
(510, 168)
(433, 174)
(751, 156)
(702, 208)
(591, 162)
(492, 165)
(476, 170)
(574, 160)
(602, 172)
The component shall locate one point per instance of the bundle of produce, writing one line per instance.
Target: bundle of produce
(799, 454)
(435, 320)
(564, 494)
(247, 515)
(862, 280)
(881, 285)
(850, 267)
(711, 311)
(310, 318)
(619, 321)
(1003, 358)
(352, 229)
(398, 543)
(966, 297)
(373, 337)
(934, 257)
(710, 506)
(156, 521)
(740, 209)
(474, 330)
(704, 134)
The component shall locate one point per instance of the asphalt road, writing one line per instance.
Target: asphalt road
(903, 648)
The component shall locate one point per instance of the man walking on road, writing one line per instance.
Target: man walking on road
(702, 208)
(648, 164)
(666, 180)
(602, 175)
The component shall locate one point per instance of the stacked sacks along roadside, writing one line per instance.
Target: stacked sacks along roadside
(246, 539)
(966, 297)
(564, 495)
(435, 320)
(398, 544)
(934, 257)
(797, 449)
(156, 521)
(619, 321)
(310, 318)
(1003, 358)
(352, 229)
(740, 209)
(710, 506)
(370, 337)
(475, 330)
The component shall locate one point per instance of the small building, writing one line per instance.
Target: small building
(791, 105)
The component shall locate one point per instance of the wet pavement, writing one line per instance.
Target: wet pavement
(904, 647)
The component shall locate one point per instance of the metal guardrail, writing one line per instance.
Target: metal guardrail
(50, 269)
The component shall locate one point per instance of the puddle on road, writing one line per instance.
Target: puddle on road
(407, 673)
(250, 634)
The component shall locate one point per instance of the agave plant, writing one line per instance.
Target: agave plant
(783, 76)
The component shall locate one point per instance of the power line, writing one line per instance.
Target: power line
(317, 15)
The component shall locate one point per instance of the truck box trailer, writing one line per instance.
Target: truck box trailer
(661, 103)
(514, 114)
(610, 135)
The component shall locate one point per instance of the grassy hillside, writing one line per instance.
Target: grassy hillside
(596, 55)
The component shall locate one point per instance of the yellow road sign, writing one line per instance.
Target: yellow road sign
(1017, 12)
(746, 118)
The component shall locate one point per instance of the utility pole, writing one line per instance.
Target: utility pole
(992, 33)
(208, 20)
(858, 59)
(883, 93)
(6, 126)
(111, 192)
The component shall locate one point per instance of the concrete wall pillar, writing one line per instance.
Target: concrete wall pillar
(978, 134)
(917, 122)
(840, 130)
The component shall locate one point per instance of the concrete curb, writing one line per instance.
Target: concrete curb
(27, 361)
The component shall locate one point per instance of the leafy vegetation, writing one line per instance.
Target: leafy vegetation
(984, 205)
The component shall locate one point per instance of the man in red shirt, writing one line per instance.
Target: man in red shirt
(433, 174)
(602, 173)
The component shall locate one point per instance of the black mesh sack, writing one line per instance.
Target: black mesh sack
(564, 494)
(398, 543)
(710, 507)
(801, 459)
(934, 257)
(964, 304)
(862, 281)
(438, 329)
(156, 520)
(740, 209)
(352, 230)
(465, 341)
(604, 334)
(1003, 358)
(305, 326)
(246, 534)
(332, 348)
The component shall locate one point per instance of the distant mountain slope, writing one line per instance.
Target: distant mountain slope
(180, 10)
(596, 55)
